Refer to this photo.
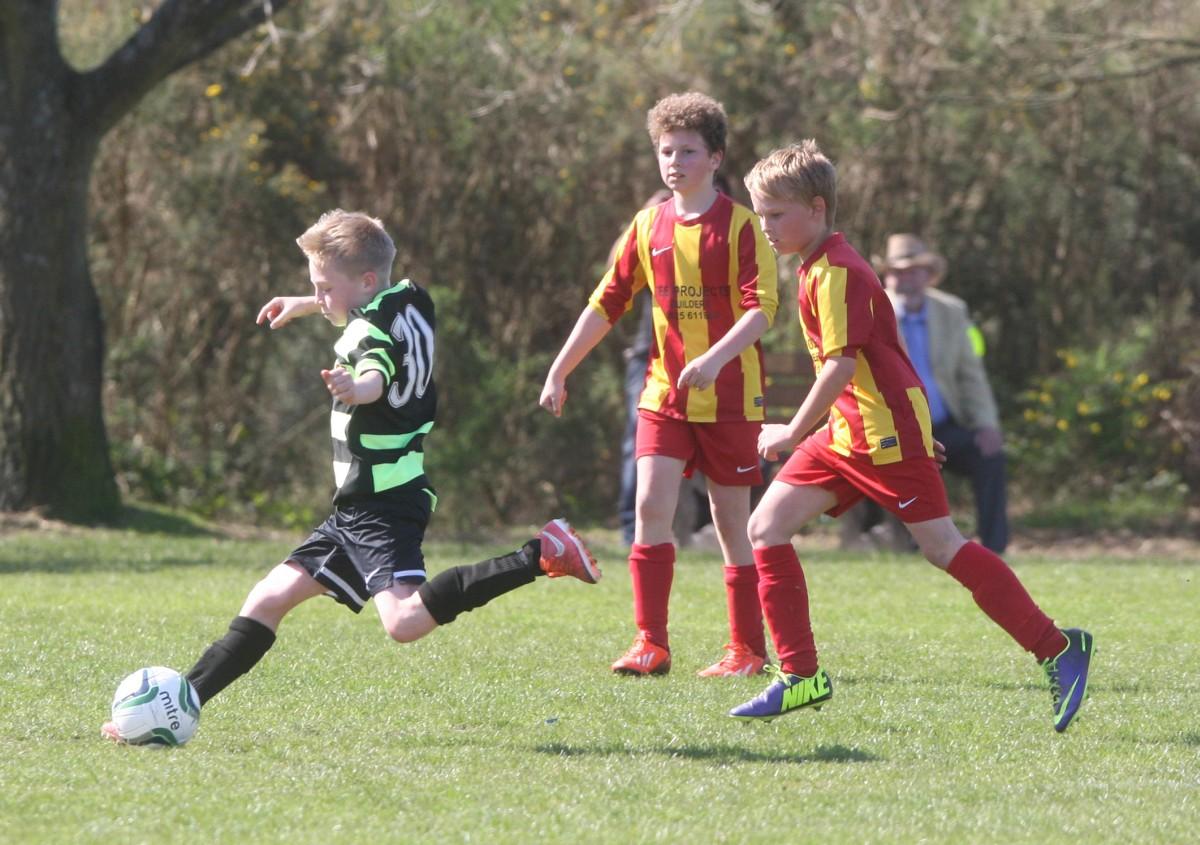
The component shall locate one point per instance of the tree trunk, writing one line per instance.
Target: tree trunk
(53, 447)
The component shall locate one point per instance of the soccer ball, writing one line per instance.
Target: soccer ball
(155, 706)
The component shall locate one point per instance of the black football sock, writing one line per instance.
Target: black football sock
(463, 588)
(230, 657)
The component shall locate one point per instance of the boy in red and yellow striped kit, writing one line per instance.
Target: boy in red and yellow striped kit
(712, 277)
(877, 443)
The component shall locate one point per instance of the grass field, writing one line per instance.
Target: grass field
(507, 726)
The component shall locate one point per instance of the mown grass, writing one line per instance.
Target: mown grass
(507, 726)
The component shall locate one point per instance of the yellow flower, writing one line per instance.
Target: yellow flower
(790, 49)
(253, 166)
(1094, 427)
(213, 90)
(1062, 425)
(1071, 361)
(1162, 394)
(1030, 414)
(546, 17)
(1118, 377)
(1083, 409)
(1045, 398)
(1140, 380)
(569, 70)
(1140, 421)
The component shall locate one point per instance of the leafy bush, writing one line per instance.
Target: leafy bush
(504, 146)
(1105, 421)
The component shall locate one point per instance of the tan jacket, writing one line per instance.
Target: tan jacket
(957, 370)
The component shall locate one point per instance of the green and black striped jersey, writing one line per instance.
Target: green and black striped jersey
(378, 447)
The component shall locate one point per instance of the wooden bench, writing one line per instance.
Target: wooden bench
(789, 377)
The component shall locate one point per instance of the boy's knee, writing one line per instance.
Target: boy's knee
(758, 528)
(407, 621)
(401, 632)
(650, 512)
(265, 599)
(402, 627)
(940, 553)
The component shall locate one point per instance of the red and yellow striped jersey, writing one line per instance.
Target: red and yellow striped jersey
(883, 414)
(704, 273)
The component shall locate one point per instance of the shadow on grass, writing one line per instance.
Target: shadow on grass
(143, 539)
(1041, 685)
(136, 517)
(723, 754)
(147, 520)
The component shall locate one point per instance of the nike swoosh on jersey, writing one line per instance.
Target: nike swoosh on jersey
(903, 505)
(660, 250)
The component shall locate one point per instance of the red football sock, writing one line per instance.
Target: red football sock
(745, 610)
(653, 569)
(1000, 594)
(784, 597)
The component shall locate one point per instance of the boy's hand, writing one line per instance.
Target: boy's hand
(939, 452)
(774, 439)
(351, 391)
(281, 310)
(554, 395)
(699, 373)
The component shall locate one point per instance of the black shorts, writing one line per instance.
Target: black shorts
(365, 547)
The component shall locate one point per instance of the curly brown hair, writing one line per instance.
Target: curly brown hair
(693, 111)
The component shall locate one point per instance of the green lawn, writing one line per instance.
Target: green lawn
(508, 727)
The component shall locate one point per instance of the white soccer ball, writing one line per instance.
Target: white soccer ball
(156, 706)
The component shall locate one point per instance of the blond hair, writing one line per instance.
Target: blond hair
(799, 172)
(692, 111)
(352, 242)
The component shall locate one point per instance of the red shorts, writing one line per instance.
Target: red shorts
(913, 489)
(726, 452)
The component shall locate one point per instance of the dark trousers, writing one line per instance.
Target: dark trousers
(635, 380)
(987, 475)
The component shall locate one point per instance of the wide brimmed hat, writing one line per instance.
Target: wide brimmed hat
(904, 251)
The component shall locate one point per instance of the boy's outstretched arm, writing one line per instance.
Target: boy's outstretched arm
(353, 391)
(702, 370)
(832, 380)
(589, 329)
(281, 310)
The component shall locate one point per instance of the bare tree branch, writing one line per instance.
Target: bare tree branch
(25, 25)
(179, 33)
(1133, 73)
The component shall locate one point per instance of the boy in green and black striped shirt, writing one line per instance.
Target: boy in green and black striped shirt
(384, 401)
